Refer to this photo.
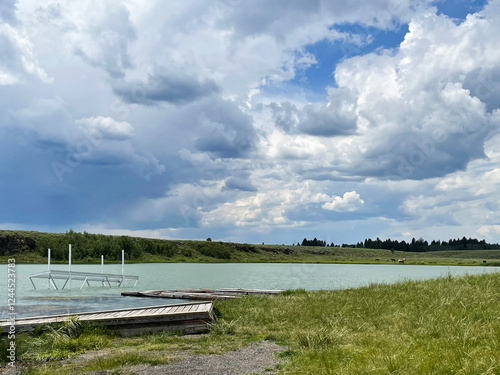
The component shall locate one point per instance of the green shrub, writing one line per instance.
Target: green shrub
(214, 250)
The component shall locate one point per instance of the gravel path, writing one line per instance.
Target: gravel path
(253, 359)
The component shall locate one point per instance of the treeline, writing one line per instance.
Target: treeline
(314, 242)
(86, 246)
(415, 245)
(421, 245)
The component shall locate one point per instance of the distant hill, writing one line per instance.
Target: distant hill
(32, 247)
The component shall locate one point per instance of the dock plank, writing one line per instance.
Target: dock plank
(202, 294)
(187, 318)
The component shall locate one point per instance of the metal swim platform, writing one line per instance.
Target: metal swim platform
(86, 277)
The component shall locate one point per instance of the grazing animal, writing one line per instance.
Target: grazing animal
(393, 260)
(402, 260)
(378, 260)
(386, 259)
(484, 261)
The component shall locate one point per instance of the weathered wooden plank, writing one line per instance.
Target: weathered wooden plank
(165, 310)
(153, 318)
(202, 294)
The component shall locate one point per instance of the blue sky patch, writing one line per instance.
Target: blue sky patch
(459, 9)
(328, 54)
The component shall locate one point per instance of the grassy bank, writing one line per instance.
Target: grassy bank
(444, 326)
(31, 247)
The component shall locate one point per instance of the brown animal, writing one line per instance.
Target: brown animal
(378, 260)
(402, 260)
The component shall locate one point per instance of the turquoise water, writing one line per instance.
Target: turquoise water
(155, 276)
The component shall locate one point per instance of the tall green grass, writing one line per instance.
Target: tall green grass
(449, 325)
(444, 326)
(49, 343)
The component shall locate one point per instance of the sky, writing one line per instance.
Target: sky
(251, 121)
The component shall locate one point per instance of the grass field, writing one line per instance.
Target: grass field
(187, 252)
(449, 325)
(31, 247)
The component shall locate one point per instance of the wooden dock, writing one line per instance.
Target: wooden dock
(188, 318)
(201, 294)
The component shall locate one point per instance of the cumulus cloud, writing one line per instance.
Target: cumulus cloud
(107, 126)
(279, 203)
(412, 112)
(350, 201)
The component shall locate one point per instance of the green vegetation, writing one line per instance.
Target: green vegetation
(31, 247)
(445, 326)
(422, 245)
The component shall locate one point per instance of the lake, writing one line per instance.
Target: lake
(155, 276)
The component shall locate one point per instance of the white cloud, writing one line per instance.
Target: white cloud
(350, 201)
(17, 60)
(107, 127)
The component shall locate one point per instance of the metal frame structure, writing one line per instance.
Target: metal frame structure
(104, 278)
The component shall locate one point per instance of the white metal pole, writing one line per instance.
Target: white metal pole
(48, 269)
(69, 267)
(102, 263)
(123, 260)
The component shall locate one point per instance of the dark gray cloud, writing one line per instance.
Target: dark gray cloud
(242, 183)
(284, 115)
(313, 120)
(224, 131)
(169, 87)
(325, 121)
(485, 84)
(339, 117)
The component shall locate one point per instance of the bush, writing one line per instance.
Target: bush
(214, 250)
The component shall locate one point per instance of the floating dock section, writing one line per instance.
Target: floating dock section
(105, 279)
(201, 294)
(188, 318)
